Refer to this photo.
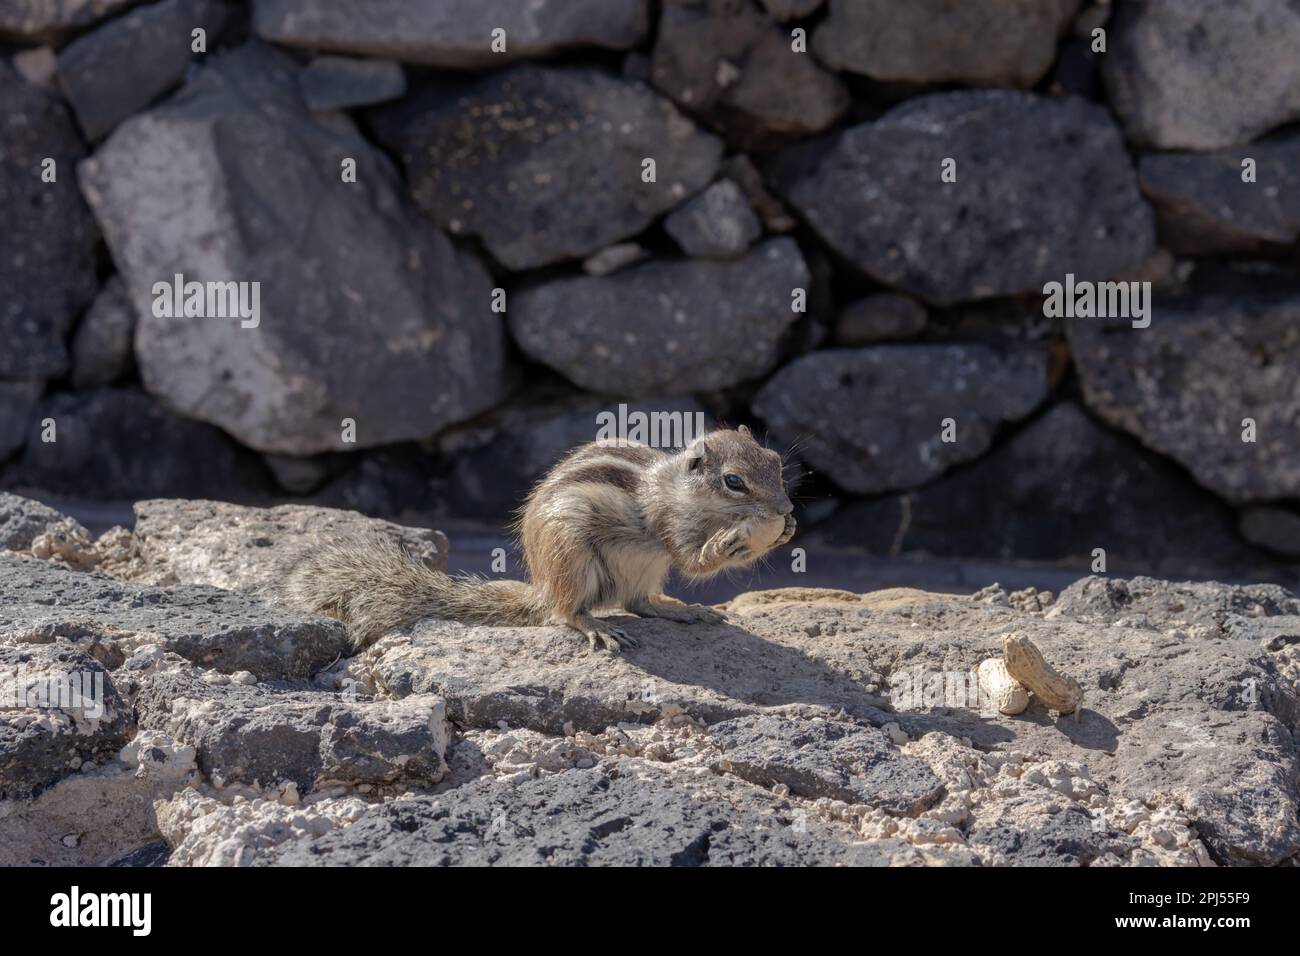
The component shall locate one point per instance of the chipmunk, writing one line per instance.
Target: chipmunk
(602, 529)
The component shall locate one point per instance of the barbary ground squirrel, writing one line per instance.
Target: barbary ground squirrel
(601, 530)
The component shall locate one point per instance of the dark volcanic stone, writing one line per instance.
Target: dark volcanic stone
(452, 33)
(979, 42)
(586, 818)
(665, 326)
(1185, 385)
(1061, 487)
(730, 65)
(47, 246)
(1204, 207)
(887, 444)
(1044, 187)
(1200, 74)
(133, 448)
(106, 74)
(545, 164)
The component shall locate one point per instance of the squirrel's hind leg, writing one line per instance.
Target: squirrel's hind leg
(600, 634)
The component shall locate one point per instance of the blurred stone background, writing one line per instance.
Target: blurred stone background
(776, 170)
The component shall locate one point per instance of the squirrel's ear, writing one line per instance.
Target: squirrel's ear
(697, 454)
(744, 431)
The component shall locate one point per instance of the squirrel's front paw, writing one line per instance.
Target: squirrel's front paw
(730, 544)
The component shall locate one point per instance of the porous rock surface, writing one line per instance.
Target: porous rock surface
(813, 727)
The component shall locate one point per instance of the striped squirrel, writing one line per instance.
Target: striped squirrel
(602, 529)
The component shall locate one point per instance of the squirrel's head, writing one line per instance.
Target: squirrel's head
(737, 476)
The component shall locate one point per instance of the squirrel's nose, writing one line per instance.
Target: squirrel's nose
(784, 507)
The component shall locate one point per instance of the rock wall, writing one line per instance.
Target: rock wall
(472, 228)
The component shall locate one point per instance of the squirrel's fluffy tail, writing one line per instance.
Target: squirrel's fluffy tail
(374, 585)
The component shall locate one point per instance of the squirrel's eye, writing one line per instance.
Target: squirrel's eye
(734, 482)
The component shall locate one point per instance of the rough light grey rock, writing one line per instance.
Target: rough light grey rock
(121, 67)
(1276, 529)
(47, 253)
(586, 818)
(878, 318)
(245, 549)
(883, 445)
(545, 164)
(453, 33)
(827, 758)
(262, 736)
(1184, 386)
(101, 349)
(341, 82)
(665, 326)
(224, 630)
(18, 403)
(1204, 207)
(1200, 74)
(978, 42)
(729, 64)
(716, 224)
(1189, 705)
(22, 520)
(367, 312)
(1045, 181)
(544, 678)
(70, 713)
(46, 19)
(134, 448)
(1060, 487)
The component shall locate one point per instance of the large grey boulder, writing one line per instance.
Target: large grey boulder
(886, 445)
(453, 33)
(977, 42)
(60, 712)
(731, 65)
(665, 326)
(223, 630)
(545, 164)
(1200, 74)
(1062, 486)
(1043, 180)
(105, 77)
(133, 447)
(238, 548)
(641, 817)
(1186, 385)
(367, 312)
(47, 247)
(262, 736)
(1205, 206)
